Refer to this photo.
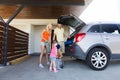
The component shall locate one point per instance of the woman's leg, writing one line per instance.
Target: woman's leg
(41, 55)
(47, 52)
(47, 58)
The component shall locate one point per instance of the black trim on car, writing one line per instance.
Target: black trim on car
(115, 56)
(99, 46)
(78, 52)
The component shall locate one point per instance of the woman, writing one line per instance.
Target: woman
(45, 43)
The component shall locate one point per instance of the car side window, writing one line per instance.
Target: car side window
(94, 29)
(110, 28)
(119, 28)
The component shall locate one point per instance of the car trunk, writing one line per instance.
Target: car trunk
(73, 22)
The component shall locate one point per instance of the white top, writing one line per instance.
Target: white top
(59, 32)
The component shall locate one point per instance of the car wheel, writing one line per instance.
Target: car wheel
(97, 59)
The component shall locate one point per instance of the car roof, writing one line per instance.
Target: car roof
(105, 22)
(88, 25)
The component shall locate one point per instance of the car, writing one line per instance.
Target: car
(97, 43)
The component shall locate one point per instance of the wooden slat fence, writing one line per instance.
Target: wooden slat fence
(17, 43)
(2, 39)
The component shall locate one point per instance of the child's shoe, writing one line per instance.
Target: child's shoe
(50, 69)
(55, 70)
(59, 68)
(48, 63)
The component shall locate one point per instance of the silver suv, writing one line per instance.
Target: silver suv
(96, 43)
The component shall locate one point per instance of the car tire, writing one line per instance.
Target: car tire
(98, 59)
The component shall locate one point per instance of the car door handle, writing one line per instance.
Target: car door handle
(106, 37)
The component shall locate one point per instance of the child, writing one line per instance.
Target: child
(59, 58)
(53, 56)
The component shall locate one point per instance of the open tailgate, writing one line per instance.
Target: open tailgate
(71, 21)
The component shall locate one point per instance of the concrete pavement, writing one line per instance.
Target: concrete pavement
(73, 70)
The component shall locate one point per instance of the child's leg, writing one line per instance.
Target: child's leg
(60, 53)
(54, 66)
(51, 64)
(61, 63)
(58, 64)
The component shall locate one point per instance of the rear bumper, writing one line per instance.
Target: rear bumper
(75, 51)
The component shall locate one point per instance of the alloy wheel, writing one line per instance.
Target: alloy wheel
(98, 59)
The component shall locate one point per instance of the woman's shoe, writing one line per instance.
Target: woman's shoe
(41, 66)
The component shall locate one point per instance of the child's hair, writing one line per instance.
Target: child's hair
(54, 42)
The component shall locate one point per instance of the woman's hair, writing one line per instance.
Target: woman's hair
(47, 27)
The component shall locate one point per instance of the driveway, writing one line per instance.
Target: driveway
(73, 70)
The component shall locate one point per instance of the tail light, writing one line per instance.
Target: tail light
(79, 37)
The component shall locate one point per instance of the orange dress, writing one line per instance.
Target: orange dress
(46, 35)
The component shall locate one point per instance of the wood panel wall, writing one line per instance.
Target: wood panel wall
(39, 12)
(45, 11)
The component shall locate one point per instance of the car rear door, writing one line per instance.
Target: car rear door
(111, 37)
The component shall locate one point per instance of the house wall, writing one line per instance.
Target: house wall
(37, 39)
(34, 28)
(31, 40)
(27, 25)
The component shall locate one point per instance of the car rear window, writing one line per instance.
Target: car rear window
(73, 22)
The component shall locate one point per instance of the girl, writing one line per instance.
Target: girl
(53, 56)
